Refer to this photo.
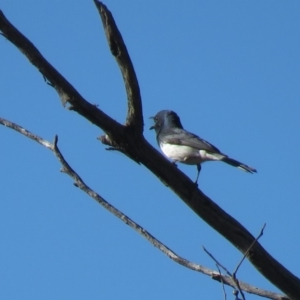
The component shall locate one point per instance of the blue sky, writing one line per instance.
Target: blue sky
(230, 69)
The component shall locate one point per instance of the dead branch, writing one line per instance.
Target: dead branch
(233, 275)
(119, 51)
(128, 141)
(78, 182)
(246, 253)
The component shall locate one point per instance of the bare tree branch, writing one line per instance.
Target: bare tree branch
(233, 275)
(222, 282)
(66, 92)
(246, 253)
(138, 149)
(216, 261)
(236, 294)
(119, 51)
(237, 284)
(78, 182)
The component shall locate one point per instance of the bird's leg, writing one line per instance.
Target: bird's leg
(198, 172)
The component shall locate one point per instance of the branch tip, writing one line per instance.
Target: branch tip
(55, 141)
(118, 49)
(261, 258)
(78, 182)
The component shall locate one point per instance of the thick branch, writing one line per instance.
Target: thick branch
(65, 90)
(119, 51)
(66, 168)
(140, 150)
(222, 222)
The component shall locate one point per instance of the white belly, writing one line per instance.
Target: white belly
(188, 155)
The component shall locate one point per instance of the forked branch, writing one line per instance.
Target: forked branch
(129, 140)
(78, 182)
(119, 51)
(67, 93)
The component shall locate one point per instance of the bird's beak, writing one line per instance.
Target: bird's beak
(152, 127)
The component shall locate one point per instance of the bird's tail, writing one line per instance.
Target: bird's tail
(239, 165)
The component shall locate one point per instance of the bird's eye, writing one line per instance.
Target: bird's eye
(155, 119)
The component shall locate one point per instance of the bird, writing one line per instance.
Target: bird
(182, 146)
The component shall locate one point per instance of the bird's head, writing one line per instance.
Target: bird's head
(165, 119)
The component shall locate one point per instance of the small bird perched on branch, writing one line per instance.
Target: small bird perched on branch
(185, 147)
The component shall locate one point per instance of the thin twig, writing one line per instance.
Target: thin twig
(223, 287)
(27, 133)
(239, 287)
(236, 294)
(215, 260)
(138, 149)
(233, 275)
(66, 168)
(235, 280)
(243, 258)
(246, 253)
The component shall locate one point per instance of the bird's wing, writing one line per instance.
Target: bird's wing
(179, 136)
